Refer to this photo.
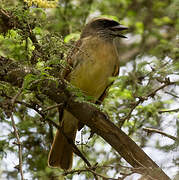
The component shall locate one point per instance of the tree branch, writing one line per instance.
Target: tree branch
(171, 110)
(141, 99)
(151, 130)
(49, 121)
(18, 143)
(89, 115)
(78, 171)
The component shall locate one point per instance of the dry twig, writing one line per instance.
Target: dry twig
(78, 171)
(167, 82)
(18, 143)
(151, 130)
(43, 115)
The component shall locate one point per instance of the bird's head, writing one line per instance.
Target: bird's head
(104, 27)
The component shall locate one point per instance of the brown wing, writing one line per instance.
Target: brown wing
(101, 98)
(68, 69)
(70, 58)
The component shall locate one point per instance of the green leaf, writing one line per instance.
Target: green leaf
(72, 36)
(139, 27)
(28, 79)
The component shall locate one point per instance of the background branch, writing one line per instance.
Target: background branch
(18, 143)
(171, 110)
(50, 122)
(151, 130)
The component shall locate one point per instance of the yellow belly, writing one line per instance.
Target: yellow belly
(98, 61)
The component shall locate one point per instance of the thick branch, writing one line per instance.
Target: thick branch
(87, 114)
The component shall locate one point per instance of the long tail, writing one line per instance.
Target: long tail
(61, 153)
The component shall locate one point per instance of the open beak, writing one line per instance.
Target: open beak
(119, 28)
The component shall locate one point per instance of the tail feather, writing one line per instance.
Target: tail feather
(61, 153)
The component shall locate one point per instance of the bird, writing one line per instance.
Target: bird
(93, 60)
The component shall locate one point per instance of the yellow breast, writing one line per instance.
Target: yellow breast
(96, 61)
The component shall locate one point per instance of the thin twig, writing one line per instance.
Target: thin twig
(171, 110)
(15, 97)
(151, 130)
(41, 112)
(167, 83)
(171, 94)
(17, 135)
(88, 170)
(143, 98)
(126, 118)
(52, 107)
(19, 147)
(4, 13)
